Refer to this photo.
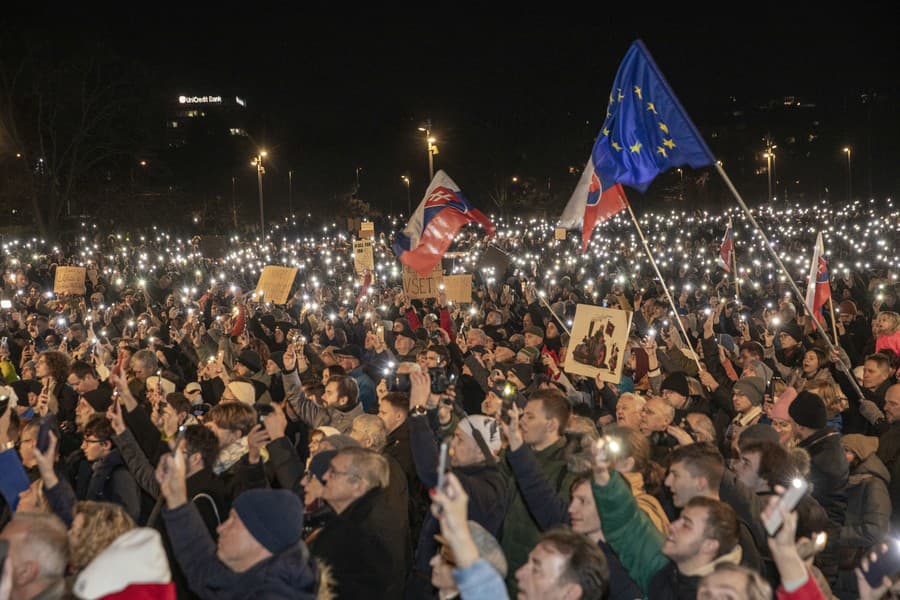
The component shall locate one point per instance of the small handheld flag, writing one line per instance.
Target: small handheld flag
(727, 248)
(818, 290)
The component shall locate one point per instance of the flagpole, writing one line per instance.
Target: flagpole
(833, 321)
(737, 283)
(662, 280)
(787, 273)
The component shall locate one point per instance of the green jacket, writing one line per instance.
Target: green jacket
(629, 531)
(520, 531)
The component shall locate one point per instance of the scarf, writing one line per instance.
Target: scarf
(230, 454)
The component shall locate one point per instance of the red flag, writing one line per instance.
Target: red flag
(818, 290)
(727, 248)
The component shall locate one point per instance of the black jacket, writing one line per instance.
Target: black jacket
(112, 482)
(291, 574)
(828, 472)
(889, 453)
(398, 448)
(360, 557)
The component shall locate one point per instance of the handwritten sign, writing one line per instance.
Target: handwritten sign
(458, 288)
(69, 280)
(363, 255)
(560, 234)
(367, 230)
(275, 283)
(598, 341)
(416, 286)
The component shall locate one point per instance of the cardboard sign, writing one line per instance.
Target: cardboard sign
(560, 234)
(367, 230)
(275, 283)
(214, 246)
(363, 255)
(458, 288)
(416, 286)
(598, 341)
(69, 280)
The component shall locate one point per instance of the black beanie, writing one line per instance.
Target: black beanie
(808, 410)
(677, 382)
(793, 329)
(273, 517)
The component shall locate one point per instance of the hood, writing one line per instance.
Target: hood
(871, 467)
(863, 446)
(733, 557)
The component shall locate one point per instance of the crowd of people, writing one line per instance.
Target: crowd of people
(172, 433)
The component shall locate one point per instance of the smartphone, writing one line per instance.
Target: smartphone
(788, 502)
(398, 382)
(263, 411)
(43, 437)
(887, 565)
(442, 466)
(380, 332)
(4, 404)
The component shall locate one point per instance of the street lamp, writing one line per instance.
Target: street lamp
(291, 192)
(408, 198)
(680, 184)
(432, 149)
(849, 177)
(260, 170)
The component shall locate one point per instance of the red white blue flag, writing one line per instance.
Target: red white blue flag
(590, 205)
(434, 224)
(727, 248)
(818, 290)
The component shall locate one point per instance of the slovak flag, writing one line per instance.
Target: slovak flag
(435, 223)
(727, 248)
(818, 290)
(590, 204)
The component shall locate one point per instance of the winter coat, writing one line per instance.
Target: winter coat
(398, 447)
(520, 529)
(112, 482)
(828, 472)
(364, 561)
(889, 453)
(868, 504)
(290, 574)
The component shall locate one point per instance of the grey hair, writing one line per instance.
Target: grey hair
(374, 428)
(47, 543)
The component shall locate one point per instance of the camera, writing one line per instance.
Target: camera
(439, 380)
(398, 382)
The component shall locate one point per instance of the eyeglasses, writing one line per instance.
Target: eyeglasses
(334, 471)
(88, 440)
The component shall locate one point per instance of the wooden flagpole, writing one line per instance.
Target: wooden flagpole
(737, 283)
(833, 322)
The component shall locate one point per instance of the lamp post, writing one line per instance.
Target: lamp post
(260, 170)
(408, 197)
(291, 193)
(680, 184)
(849, 177)
(431, 148)
(234, 201)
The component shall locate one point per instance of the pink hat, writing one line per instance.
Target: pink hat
(780, 408)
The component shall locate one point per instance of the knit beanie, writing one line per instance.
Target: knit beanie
(848, 307)
(677, 382)
(752, 387)
(529, 352)
(762, 370)
(320, 462)
(782, 404)
(243, 391)
(250, 359)
(758, 432)
(99, 399)
(808, 410)
(792, 328)
(273, 517)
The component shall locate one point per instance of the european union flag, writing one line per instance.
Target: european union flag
(646, 130)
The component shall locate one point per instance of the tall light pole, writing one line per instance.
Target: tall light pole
(849, 176)
(408, 197)
(260, 170)
(291, 193)
(431, 148)
(769, 155)
(233, 201)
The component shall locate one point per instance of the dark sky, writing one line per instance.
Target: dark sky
(522, 91)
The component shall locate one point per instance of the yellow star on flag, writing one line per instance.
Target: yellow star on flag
(606, 131)
(661, 150)
(620, 94)
(635, 148)
(617, 147)
(651, 107)
(670, 144)
(637, 91)
(611, 99)
(664, 128)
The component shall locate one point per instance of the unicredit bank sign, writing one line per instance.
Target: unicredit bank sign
(200, 99)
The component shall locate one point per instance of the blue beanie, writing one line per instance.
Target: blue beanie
(273, 517)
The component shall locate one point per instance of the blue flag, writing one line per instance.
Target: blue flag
(646, 130)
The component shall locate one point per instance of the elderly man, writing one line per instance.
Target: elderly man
(38, 555)
(260, 551)
(363, 554)
(629, 409)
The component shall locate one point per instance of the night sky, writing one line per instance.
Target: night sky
(519, 95)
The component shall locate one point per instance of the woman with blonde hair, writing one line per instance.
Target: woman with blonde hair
(886, 327)
(834, 403)
(95, 526)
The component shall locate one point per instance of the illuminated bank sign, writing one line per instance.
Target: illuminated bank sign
(200, 99)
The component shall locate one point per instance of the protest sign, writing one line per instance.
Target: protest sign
(598, 341)
(416, 286)
(275, 283)
(363, 255)
(367, 230)
(458, 287)
(560, 234)
(69, 280)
